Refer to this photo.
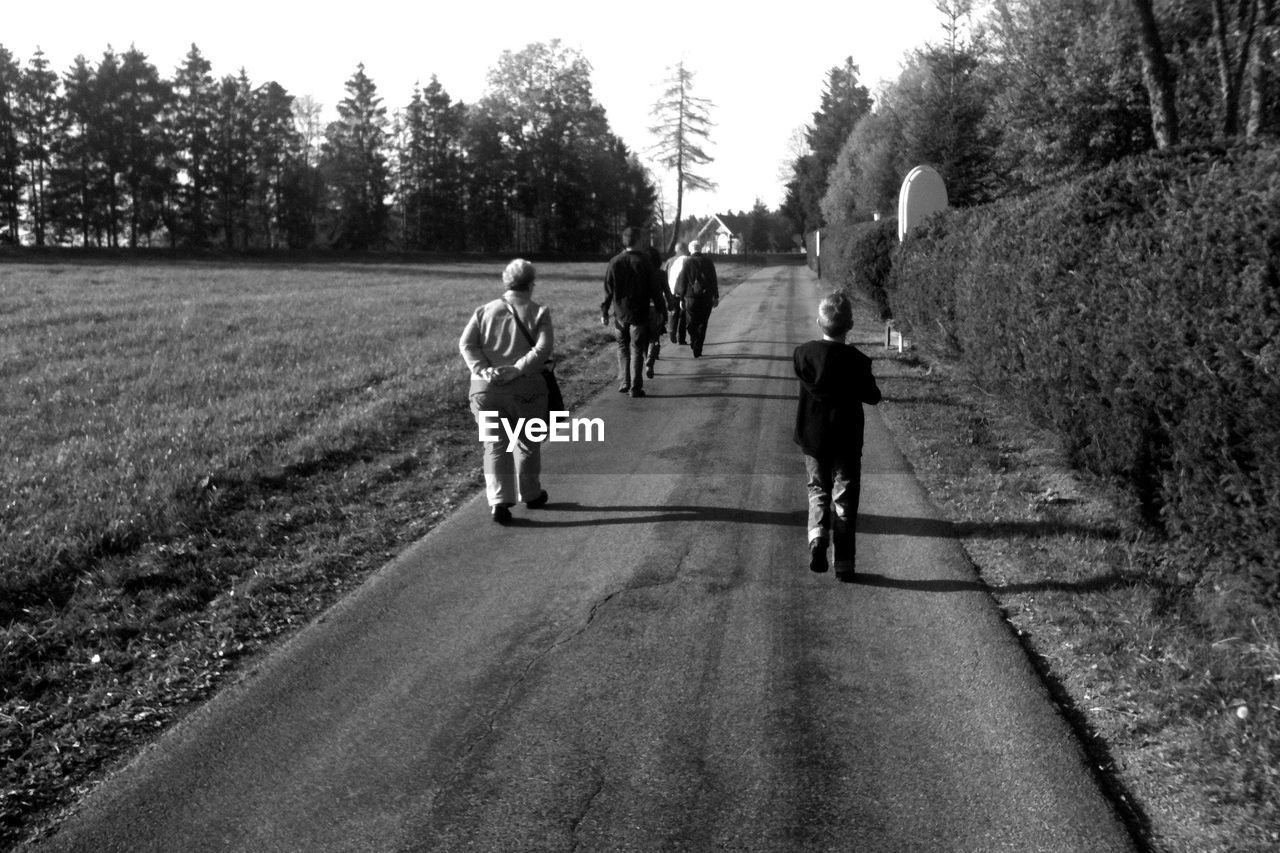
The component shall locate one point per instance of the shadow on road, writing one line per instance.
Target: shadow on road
(687, 376)
(658, 514)
(746, 355)
(751, 343)
(701, 394)
(1094, 584)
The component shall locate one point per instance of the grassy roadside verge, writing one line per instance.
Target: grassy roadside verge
(199, 459)
(1180, 724)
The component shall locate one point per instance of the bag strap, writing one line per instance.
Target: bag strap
(523, 330)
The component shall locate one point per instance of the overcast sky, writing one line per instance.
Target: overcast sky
(763, 65)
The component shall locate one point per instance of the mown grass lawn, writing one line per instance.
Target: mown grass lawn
(131, 392)
(199, 456)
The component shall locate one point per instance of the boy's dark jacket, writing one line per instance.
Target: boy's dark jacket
(835, 380)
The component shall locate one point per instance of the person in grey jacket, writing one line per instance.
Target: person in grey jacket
(507, 384)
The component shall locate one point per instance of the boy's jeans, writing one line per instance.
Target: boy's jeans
(834, 485)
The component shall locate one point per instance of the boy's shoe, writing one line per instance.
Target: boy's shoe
(818, 555)
(845, 572)
(638, 392)
(502, 514)
(539, 502)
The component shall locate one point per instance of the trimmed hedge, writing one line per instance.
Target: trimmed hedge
(1138, 311)
(860, 259)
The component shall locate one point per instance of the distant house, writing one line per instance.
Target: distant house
(722, 234)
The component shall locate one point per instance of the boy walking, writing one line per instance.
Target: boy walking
(835, 380)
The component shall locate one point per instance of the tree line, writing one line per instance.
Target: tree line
(1035, 92)
(112, 154)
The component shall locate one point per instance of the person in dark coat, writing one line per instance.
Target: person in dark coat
(699, 292)
(835, 380)
(632, 292)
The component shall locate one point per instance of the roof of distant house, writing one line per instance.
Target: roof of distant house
(730, 222)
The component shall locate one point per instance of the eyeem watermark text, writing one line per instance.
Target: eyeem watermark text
(559, 427)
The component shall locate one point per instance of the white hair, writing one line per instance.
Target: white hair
(518, 275)
(694, 247)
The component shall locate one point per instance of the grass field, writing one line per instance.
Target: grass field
(132, 393)
(199, 456)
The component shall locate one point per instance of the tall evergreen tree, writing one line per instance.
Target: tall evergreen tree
(304, 190)
(141, 100)
(942, 104)
(845, 100)
(232, 178)
(106, 145)
(277, 152)
(431, 170)
(74, 193)
(11, 173)
(684, 126)
(43, 125)
(193, 121)
(356, 165)
(490, 176)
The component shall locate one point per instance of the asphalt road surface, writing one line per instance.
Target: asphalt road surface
(645, 664)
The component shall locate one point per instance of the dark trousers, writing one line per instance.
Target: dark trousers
(676, 325)
(656, 329)
(697, 314)
(834, 485)
(632, 341)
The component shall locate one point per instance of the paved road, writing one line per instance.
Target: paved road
(646, 664)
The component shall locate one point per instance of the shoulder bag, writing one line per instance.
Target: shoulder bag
(555, 399)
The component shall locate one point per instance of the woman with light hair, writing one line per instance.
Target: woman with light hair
(505, 345)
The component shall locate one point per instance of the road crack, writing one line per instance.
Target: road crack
(491, 722)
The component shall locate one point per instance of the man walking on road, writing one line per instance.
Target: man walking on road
(674, 266)
(699, 292)
(630, 289)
